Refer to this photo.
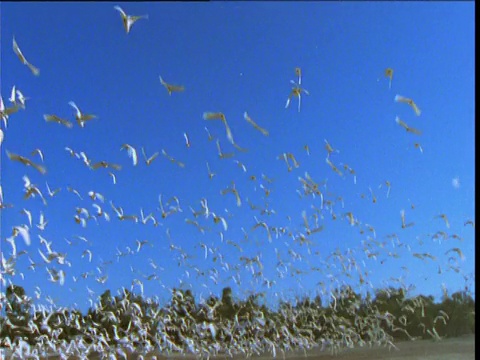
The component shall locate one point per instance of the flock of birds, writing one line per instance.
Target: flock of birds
(324, 205)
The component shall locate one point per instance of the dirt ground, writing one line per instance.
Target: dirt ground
(461, 348)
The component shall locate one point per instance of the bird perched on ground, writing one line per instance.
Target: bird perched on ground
(128, 20)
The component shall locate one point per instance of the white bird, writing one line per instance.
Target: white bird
(11, 240)
(210, 173)
(171, 88)
(399, 98)
(101, 212)
(13, 96)
(187, 140)
(58, 120)
(21, 99)
(72, 190)
(114, 178)
(22, 58)
(56, 276)
(254, 124)
(148, 160)
(6, 112)
(132, 153)
(23, 231)
(39, 152)
(406, 127)
(210, 137)
(79, 116)
(89, 253)
(94, 196)
(140, 244)
(29, 215)
(220, 116)
(42, 223)
(27, 162)
(217, 219)
(128, 20)
(296, 91)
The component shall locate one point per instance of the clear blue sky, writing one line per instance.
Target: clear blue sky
(236, 57)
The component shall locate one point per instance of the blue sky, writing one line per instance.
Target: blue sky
(234, 57)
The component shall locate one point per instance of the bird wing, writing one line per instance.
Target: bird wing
(120, 10)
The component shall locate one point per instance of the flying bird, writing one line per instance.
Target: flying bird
(210, 173)
(334, 168)
(50, 192)
(39, 152)
(128, 20)
(13, 96)
(22, 58)
(329, 148)
(132, 153)
(79, 116)
(307, 149)
(389, 74)
(234, 191)
(104, 164)
(399, 98)
(249, 120)
(404, 224)
(445, 218)
(172, 159)
(171, 88)
(298, 72)
(210, 137)
(406, 127)
(58, 120)
(187, 140)
(419, 147)
(21, 99)
(23, 231)
(220, 116)
(458, 251)
(5, 112)
(148, 160)
(297, 92)
(27, 162)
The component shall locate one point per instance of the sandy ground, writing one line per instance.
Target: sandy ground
(461, 348)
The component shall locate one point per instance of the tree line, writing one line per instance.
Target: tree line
(182, 324)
